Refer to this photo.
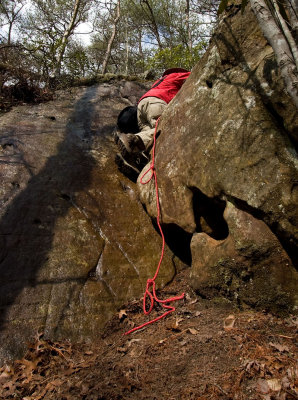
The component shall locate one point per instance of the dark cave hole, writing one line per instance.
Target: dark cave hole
(208, 214)
(178, 240)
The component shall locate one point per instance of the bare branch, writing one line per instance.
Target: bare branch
(280, 46)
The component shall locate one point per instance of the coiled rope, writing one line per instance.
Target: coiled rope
(151, 282)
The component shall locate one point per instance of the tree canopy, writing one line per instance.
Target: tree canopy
(42, 42)
(127, 36)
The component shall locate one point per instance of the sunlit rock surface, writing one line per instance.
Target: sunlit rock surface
(230, 137)
(75, 241)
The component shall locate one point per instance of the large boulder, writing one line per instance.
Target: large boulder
(75, 241)
(228, 142)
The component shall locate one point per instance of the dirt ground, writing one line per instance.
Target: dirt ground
(202, 351)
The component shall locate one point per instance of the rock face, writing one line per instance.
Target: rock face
(75, 241)
(227, 171)
(249, 266)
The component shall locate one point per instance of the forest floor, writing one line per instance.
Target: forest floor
(204, 350)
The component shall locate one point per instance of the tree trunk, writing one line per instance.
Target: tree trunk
(292, 7)
(9, 33)
(66, 35)
(112, 38)
(141, 49)
(281, 48)
(287, 33)
(154, 24)
(189, 37)
(126, 50)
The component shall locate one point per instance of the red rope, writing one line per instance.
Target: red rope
(151, 282)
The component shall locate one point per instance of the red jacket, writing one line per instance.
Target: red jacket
(167, 87)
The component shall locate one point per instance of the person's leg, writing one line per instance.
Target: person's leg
(130, 143)
(131, 149)
(149, 110)
(132, 146)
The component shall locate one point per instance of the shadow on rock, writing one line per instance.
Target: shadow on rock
(27, 227)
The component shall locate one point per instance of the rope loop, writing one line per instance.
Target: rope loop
(149, 294)
(151, 168)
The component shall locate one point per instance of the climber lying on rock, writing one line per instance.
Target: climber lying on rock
(137, 123)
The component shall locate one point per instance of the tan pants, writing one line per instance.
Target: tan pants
(149, 110)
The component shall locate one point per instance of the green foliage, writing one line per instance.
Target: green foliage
(76, 61)
(151, 34)
(178, 56)
(44, 28)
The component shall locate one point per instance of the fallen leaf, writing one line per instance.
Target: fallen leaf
(122, 315)
(70, 371)
(285, 382)
(286, 337)
(193, 331)
(292, 373)
(6, 372)
(248, 365)
(175, 325)
(262, 386)
(238, 338)
(122, 349)
(88, 353)
(9, 389)
(190, 299)
(84, 388)
(279, 347)
(130, 324)
(56, 382)
(130, 342)
(198, 313)
(229, 323)
(28, 367)
(266, 397)
(274, 384)
(187, 313)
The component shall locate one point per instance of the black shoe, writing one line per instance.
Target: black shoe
(129, 144)
(131, 147)
(128, 170)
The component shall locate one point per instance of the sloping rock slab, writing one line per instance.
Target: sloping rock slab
(230, 134)
(75, 242)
